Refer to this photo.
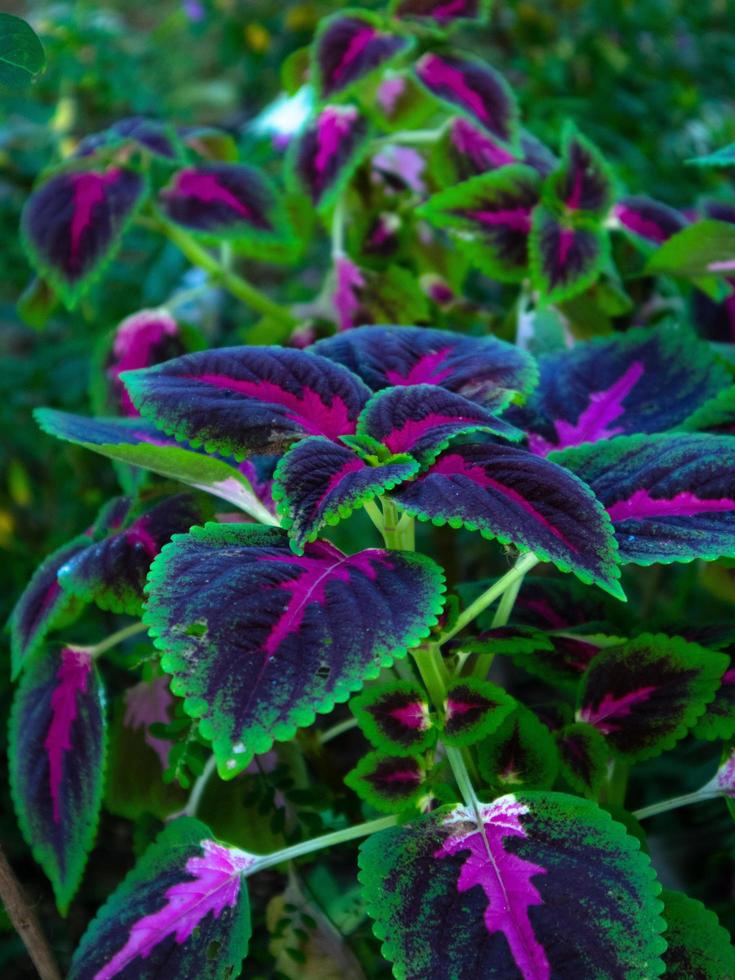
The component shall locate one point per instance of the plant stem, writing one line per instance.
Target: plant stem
(336, 730)
(234, 283)
(320, 843)
(112, 641)
(25, 922)
(457, 761)
(197, 790)
(521, 567)
(390, 524)
(484, 661)
(433, 672)
(376, 515)
(617, 783)
(418, 137)
(338, 229)
(705, 793)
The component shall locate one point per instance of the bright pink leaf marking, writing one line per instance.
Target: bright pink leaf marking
(455, 465)
(596, 420)
(89, 192)
(644, 227)
(519, 219)
(401, 776)
(351, 466)
(333, 125)
(207, 189)
(504, 877)
(448, 10)
(138, 534)
(135, 338)
(641, 505)
(439, 74)
(427, 370)
(147, 704)
(473, 143)
(604, 716)
(358, 42)
(214, 887)
(411, 715)
(406, 437)
(72, 678)
(455, 707)
(346, 301)
(307, 409)
(729, 677)
(575, 197)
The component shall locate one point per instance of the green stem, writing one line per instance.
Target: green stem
(418, 137)
(338, 229)
(320, 843)
(705, 793)
(197, 790)
(433, 672)
(390, 524)
(336, 730)
(112, 641)
(457, 760)
(234, 283)
(376, 515)
(484, 661)
(521, 568)
(617, 783)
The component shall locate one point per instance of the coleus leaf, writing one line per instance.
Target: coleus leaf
(294, 637)
(326, 154)
(582, 184)
(395, 717)
(57, 757)
(348, 47)
(242, 400)
(646, 694)
(483, 369)
(645, 380)
(73, 222)
(534, 885)
(43, 604)
(718, 720)
(148, 703)
(224, 199)
(112, 572)
(671, 497)
(474, 88)
(149, 134)
(184, 898)
(319, 482)
(389, 783)
(715, 415)
(473, 708)
(470, 151)
(141, 444)
(491, 216)
(374, 296)
(520, 753)
(697, 945)
(703, 248)
(583, 757)
(444, 13)
(565, 258)
(515, 497)
(647, 220)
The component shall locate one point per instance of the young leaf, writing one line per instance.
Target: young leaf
(511, 495)
(57, 757)
(697, 945)
(292, 637)
(224, 200)
(395, 717)
(21, 53)
(319, 482)
(701, 249)
(473, 709)
(645, 219)
(520, 753)
(348, 47)
(582, 183)
(141, 444)
(471, 86)
(565, 258)
(185, 898)
(646, 694)
(389, 783)
(583, 756)
(492, 216)
(73, 222)
(645, 380)
(483, 369)
(548, 886)
(328, 152)
(42, 605)
(242, 400)
(444, 13)
(671, 497)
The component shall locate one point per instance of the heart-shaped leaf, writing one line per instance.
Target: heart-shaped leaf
(697, 945)
(473, 709)
(57, 755)
(583, 758)
(242, 400)
(185, 898)
(73, 222)
(646, 694)
(288, 638)
(647, 220)
(671, 497)
(443, 13)
(483, 369)
(327, 153)
(389, 783)
(511, 495)
(565, 258)
(519, 754)
(349, 46)
(534, 885)
(395, 717)
(582, 183)
(645, 380)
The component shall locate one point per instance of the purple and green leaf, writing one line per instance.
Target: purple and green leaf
(388, 783)
(716, 415)
(565, 258)
(718, 720)
(543, 885)
(467, 151)
(582, 184)
(698, 947)
(645, 695)
(443, 13)
(519, 754)
(395, 717)
(583, 758)
(73, 222)
(369, 296)
(56, 759)
(473, 709)
(259, 641)
(349, 46)
(645, 220)
(149, 134)
(327, 153)
(185, 899)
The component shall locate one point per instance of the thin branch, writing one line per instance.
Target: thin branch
(26, 923)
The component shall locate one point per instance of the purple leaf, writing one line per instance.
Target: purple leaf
(388, 783)
(151, 135)
(259, 641)
(444, 13)
(185, 897)
(326, 154)
(483, 369)
(348, 47)
(583, 756)
(57, 750)
(473, 709)
(582, 183)
(534, 885)
(519, 754)
(471, 151)
(346, 298)
(395, 717)
(649, 220)
(149, 703)
(514, 496)
(242, 400)
(565, 259)
(72, 225)
(475, 89)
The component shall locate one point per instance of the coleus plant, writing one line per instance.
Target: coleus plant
(503, 847)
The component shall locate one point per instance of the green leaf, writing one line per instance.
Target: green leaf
(389, 783)
(21, 53)
(698, 946)
(474, 708)
(520, 754)
(701, 249)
